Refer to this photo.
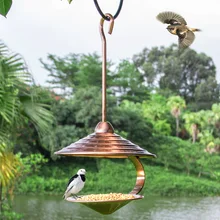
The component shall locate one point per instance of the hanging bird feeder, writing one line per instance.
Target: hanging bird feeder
(104, 143)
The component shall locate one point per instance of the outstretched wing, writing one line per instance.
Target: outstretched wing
(186, 39)
(169, 17)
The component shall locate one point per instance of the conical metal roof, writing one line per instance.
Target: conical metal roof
(104, 143)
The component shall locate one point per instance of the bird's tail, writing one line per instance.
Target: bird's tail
(195, 29)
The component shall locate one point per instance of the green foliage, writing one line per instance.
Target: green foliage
(167, 183)
(10, 215)
(18, 103)
(74, 71)
(129, 82)
(206, 123)
(5, 6)
(184, 156)
(128, 118)
(105, 176)
(97, 180)
(88, 106)
(156, 111)
(184, 73)
(31, 163)
(18, 107)
(206, 91)
(176, 104)
(62, 136)
(8, 167)
(138, 115)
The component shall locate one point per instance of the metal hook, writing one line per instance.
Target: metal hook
(106, 17)
(104, 61)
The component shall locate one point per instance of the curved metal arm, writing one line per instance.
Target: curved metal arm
(140, 175)
(104, 62)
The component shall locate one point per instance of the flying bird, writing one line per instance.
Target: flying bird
(178, 26)
(75, 184)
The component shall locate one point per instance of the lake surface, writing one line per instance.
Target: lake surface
(149, 208)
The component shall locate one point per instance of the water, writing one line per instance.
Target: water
(149, 208)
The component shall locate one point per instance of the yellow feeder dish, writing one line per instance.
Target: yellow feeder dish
(106, 207)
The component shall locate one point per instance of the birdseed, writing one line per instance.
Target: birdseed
(106, 197)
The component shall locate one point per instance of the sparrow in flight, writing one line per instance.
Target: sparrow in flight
(177, 26)
(75, 184)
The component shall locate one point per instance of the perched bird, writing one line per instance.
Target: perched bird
(178, 27)
(75, 184)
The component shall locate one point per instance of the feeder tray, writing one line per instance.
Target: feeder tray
(106, 207)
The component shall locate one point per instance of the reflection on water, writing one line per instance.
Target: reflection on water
(151, 208)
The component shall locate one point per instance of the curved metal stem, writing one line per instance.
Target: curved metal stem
(104, 61)
(140, 175)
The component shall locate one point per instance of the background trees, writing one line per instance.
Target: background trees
(141, 94)
(183, 72)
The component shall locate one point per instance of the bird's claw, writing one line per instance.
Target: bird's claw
(76, 197)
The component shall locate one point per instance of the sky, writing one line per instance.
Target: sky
(36, 28)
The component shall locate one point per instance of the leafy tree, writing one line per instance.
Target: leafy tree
(209, 164)
(155, 109)
(192, 124)
(129, 121)
(77, 117)
(205, 126)
(206, 94)
(176, 104)
(74, 71)
(128, 83)
(184, 72)
(189, 155)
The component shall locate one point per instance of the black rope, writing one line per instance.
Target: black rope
(103, 15)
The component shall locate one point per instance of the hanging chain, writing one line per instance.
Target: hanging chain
(106, 16)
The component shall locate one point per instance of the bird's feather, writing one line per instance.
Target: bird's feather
(72, 178)
(72, 184)
(186, 39)
(169, 17)
(83, 177)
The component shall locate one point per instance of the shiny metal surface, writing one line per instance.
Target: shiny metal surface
(104, 143)
(104, 61)
(105, 207)
(140, 180)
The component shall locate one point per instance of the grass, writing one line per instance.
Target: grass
(105, 176)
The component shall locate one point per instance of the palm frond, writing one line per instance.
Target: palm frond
(18, 101)
(39, 115)
(8, 167)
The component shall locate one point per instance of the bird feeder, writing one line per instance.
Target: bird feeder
(104, 143)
